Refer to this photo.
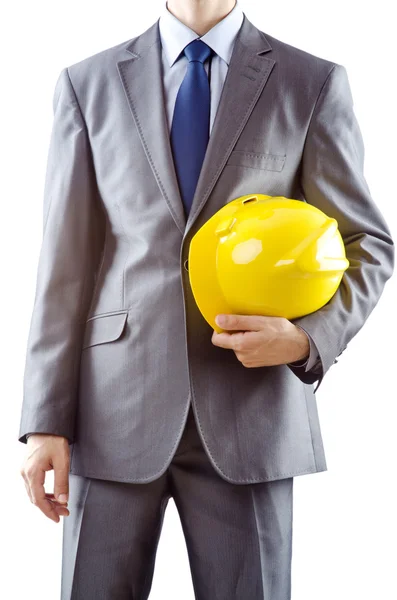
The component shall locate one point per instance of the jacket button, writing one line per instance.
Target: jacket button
(186, 265)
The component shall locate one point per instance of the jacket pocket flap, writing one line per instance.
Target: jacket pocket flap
(104, 328)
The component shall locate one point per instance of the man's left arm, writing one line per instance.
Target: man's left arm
(332, 179)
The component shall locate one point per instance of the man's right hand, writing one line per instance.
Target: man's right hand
(46, 452)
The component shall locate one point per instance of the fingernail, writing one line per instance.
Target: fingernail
(219, 319)
(62, 498)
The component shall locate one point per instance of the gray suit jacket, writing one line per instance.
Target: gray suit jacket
(117, 347)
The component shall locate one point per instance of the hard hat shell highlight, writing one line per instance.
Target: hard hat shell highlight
(265, 255)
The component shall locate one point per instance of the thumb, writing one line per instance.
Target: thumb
(61, 478)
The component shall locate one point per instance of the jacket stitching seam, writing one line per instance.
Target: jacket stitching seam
(160, 183)
(163, 468)
(161, 471)
(222, 165)
(310, 427)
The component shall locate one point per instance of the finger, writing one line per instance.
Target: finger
(61, 477)
(243, 341)
(227, 340)
(241, 322)
(51, 497)
(60, 509)
(36, 480)
(27, 486)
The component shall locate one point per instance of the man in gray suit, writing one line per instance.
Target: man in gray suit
(128, 394)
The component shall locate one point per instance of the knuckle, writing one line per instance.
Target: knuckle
(239, 345)
(285, 325)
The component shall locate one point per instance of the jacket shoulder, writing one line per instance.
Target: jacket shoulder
(97, 73)
(307, 65)
(100, 60)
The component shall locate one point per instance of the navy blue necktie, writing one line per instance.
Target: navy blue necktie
(190, 123)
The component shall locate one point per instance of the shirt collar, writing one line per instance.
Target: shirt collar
(175, 35)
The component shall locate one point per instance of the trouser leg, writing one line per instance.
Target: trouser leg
(238, 537)
(110, 538)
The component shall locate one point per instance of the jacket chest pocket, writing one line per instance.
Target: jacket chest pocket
(256, 160)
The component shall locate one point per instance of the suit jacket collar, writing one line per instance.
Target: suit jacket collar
(141, 78)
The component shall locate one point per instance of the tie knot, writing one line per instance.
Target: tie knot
(197, 51)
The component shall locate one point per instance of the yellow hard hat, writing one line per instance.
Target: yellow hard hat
(265, 255)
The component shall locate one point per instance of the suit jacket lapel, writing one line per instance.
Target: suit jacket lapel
(141, 77)
(246, 77)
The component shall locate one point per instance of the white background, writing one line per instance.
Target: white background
(345, 525)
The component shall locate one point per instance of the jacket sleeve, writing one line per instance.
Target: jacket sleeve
(311, 360)
(73, 233)
(332, 179)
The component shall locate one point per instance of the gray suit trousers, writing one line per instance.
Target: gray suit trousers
(238, 537)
